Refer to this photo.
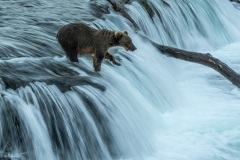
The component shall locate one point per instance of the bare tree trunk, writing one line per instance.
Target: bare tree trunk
(205, 59)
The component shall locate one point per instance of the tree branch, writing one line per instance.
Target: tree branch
(205, 59)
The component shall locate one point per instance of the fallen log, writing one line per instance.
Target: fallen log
(205, 59)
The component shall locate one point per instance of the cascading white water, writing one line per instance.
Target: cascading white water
(152, 107)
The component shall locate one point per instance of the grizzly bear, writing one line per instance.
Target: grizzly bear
(79, 38)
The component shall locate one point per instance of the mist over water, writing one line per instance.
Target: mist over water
(151, 107)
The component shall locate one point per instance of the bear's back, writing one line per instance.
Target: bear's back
(73, 28)
(75, 33)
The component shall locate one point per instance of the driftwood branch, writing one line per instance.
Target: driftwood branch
(205, 59)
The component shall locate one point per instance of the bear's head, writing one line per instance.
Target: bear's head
(123, 40)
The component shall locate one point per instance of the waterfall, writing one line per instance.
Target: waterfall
(150, 107)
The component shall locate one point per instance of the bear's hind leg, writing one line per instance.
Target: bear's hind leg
(72, 55)
(73, 58)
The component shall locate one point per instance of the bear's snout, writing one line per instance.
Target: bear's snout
(133, 48)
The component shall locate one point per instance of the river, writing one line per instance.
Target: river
(151, 107)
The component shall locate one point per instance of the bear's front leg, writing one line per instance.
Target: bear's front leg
(111, 58)
(97, 61)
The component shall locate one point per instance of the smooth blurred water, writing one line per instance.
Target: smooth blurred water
(150, 107)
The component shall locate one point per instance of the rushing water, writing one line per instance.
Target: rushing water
(151, 107)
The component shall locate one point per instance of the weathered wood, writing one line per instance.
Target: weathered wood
(205, 59)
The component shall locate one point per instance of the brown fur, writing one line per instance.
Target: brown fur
(79, 38)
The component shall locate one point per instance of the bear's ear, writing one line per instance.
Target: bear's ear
(125, 32)
(118, 34)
